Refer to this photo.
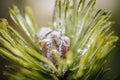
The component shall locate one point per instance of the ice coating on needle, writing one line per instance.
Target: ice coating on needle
(50, 41)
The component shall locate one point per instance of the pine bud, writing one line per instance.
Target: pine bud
(50, 41)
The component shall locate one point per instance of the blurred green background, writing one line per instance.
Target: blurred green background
(43, 11)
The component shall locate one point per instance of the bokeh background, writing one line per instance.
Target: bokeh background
(43, 11)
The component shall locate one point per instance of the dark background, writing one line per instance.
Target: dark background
(43, 10)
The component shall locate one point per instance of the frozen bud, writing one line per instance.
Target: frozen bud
(50, 40)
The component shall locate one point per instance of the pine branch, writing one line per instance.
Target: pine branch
(74, 48)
